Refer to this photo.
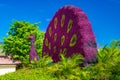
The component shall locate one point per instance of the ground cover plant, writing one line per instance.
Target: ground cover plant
(17, 45)
(107, 68)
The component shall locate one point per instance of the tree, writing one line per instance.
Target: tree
(17, 45)
(1, 45)
(118, 43)
(115, 43)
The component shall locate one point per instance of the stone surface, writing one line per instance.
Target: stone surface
(70, 32)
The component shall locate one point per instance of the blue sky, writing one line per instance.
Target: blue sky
(103, 14)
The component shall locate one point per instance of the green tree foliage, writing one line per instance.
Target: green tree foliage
(0, 45)
(115, 43)
(107, 68)
(39, 43)
(17, 45)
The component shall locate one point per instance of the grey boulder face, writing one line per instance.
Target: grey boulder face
(70, 32)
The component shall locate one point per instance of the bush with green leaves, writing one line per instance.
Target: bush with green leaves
(0, 45)
(17, 45)
(28, 74)
(107, 68)
(109, 62)
(67, 68)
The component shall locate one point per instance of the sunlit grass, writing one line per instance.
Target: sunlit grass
(107, 68)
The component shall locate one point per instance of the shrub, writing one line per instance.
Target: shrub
(17, 45)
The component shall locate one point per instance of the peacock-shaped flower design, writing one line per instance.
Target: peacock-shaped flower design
(33, 54)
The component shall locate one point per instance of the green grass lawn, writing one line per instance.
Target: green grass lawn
(27, 74)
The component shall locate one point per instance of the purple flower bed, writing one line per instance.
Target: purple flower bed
(70, 32)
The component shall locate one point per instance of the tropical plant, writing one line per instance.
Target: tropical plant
(67, 68)
(42, 63)
(107, 68)
(39, 42)
(108, 63)
(115, 43)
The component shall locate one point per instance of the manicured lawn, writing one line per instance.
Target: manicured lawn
(27, 74)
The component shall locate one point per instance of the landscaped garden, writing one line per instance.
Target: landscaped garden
(1, 49)
(108, 66)
(63, 52)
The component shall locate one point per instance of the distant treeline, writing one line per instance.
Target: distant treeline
(1, 42)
